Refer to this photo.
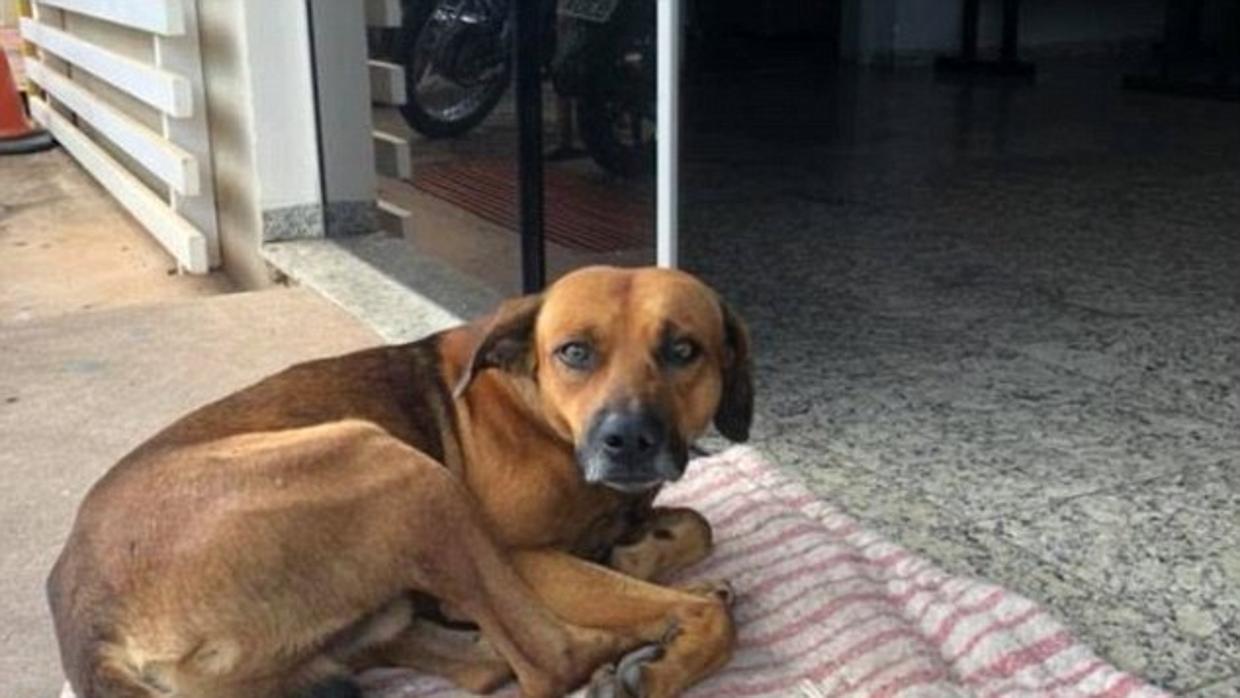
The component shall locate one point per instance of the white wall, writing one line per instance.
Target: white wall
(345, 115)
(282, 101)
(260, 102)
(233, 157)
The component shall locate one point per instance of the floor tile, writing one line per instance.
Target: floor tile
(980, 305)
(989, 434)
(896, 512)
(1187, 362)
(1228, 688)
(1122, 632)
(1167, 546)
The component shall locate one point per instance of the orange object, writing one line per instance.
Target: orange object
(16, 133)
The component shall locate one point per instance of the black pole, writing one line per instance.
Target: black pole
(969, 19)
(527, 45)
(1011, 31)
(968, 63)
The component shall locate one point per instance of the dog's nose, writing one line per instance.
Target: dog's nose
(630, 436)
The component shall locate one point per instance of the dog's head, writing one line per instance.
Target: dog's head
(629, 365)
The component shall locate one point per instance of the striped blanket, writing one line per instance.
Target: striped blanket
(827, 608)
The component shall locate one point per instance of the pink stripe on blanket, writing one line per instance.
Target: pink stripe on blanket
(826, 608)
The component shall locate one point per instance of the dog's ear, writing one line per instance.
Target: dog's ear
(735, 413)
(507, 341)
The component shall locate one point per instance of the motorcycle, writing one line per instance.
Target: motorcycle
(457, 56)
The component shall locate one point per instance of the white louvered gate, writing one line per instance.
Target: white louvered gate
(132, 111)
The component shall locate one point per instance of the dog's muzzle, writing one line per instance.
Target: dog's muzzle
(631, 451)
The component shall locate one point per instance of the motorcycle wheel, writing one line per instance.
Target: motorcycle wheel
(616, 112)
(461, 107)
(618, 137)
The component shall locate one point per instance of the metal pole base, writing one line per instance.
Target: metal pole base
(957, 65)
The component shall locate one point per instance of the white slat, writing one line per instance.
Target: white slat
(383, 13)
(394, 219)
(156, 16)
(180, 55)
(392, 156)
(164, 160)
(181, 239)
(165, 91)
(387, 83)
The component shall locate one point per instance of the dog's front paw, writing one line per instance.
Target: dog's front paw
(672, 540)
(718, 589)
(624, 679)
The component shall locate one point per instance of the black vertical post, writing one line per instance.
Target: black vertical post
(1181, 52)
(1234, 71)
(1170, 16)
(967, 62)
(969, 20)
(1011, 35)
(527, 49)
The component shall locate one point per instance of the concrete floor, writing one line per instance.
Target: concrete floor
(99, 348)
(60, 251)
(1003, 327)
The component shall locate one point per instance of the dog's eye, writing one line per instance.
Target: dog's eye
(682, 352)
(576, 355)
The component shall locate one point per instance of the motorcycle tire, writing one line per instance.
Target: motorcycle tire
(597, 112)
(617, 88)
(419, 119)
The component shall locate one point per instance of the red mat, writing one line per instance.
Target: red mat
(580, 214)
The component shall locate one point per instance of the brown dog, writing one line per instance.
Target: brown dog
(273, 542)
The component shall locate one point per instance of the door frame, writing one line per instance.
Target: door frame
(669, 30)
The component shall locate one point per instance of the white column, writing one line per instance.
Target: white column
(345, 129)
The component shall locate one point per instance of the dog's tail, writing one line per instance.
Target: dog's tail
(99, 678)
(76, 607)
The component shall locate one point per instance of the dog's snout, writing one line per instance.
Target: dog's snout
(630, 436)
(631, 450)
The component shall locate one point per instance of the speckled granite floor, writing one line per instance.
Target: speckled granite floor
(1003, 327)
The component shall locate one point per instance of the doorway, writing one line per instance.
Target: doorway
(531, 135)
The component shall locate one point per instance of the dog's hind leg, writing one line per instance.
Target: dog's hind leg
(109, 681)
(464, 657)
(471, 573)
(688, 634)
(668, 541)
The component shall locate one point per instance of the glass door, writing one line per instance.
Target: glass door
(541, 135)
(592, 175)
